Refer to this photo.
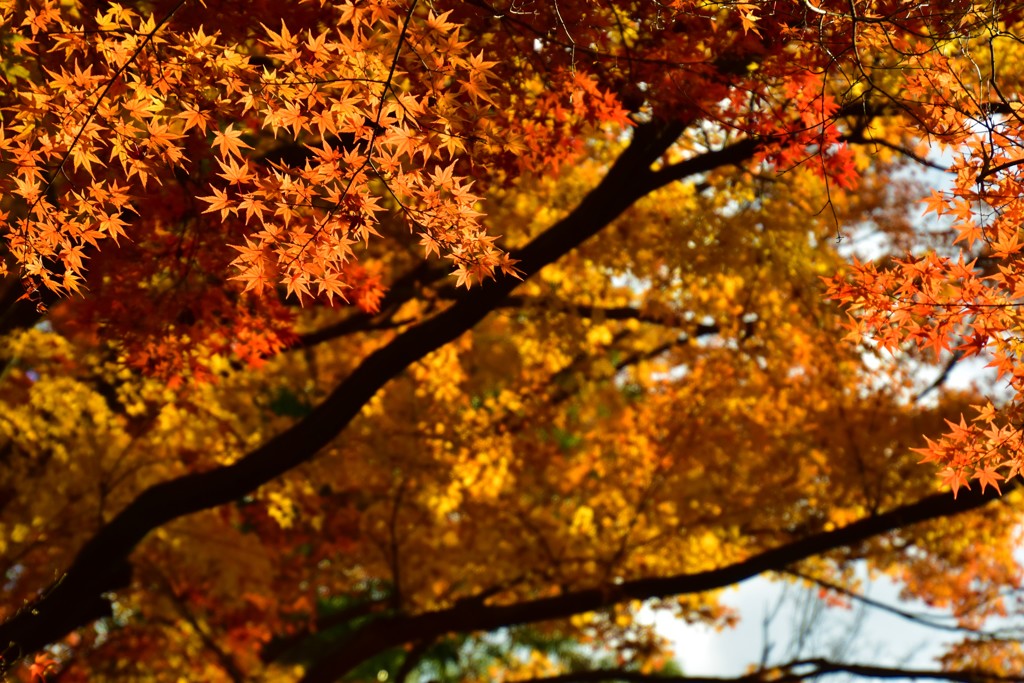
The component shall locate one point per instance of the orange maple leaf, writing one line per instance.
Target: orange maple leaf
(194, 118)
(988, 477)
(219, 201)
(955, 479)
(229, 141)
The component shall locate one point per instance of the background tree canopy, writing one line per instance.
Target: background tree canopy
(430, 339)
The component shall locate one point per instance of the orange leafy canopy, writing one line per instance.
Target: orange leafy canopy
(425, 340)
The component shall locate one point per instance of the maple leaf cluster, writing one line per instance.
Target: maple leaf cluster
(960, 296)
(285, 145)
(89, 140)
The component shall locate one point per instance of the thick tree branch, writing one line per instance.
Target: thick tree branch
(102, 563)
(731, 155)
(786, 673)
(280, 646)
(384, 634)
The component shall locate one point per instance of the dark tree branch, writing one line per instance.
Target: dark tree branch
(384, 634)
(823, 667)
(280, 646)
(786, 673)
(731, 155)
